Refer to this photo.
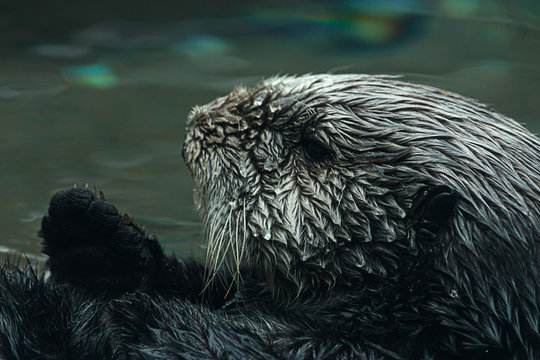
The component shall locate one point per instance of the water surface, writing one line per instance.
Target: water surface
(98, 93)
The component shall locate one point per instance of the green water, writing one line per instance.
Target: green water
(97, 93)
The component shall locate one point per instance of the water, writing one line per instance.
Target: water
(98, 93)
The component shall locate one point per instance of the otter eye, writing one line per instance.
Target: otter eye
(314, 149)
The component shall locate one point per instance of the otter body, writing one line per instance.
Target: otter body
(345, 216)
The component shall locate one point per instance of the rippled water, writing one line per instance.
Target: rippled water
(97, 93)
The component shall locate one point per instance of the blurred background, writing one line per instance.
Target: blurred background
(98, 91)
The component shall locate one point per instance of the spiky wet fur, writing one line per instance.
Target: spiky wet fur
(414, 236)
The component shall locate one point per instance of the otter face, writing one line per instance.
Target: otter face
(309, 179)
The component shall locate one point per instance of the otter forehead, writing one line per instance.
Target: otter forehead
(276, 115)
(311, 171)
(364, 103)
(367, 122)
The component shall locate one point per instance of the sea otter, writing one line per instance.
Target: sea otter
(345, 216)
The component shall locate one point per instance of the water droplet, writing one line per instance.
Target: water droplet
(267, 236)
(454, 294)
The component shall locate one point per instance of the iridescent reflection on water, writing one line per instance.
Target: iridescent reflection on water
(98, 93)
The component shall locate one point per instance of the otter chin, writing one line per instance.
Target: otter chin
(344, 217)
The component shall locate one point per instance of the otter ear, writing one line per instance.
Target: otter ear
(431, 209)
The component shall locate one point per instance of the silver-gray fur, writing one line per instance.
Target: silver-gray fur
(388, 139)
(311, 225)
(359, 217)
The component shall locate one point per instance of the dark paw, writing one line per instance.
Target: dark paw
(91, 245)
(76, 218)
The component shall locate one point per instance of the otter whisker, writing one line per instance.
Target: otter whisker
(210, 249)
(221, 254)
(215, 242)
(233, 280)
(218, 251)
(208, 234)
(244, 240)
(237, 252)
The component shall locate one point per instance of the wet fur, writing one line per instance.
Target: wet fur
(346, 216)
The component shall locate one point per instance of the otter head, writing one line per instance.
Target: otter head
(309, 180)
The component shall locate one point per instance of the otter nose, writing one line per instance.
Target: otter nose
(191, 148)
(197, 122)
(184, 152)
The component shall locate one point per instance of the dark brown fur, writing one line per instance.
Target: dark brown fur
(313, 178)
(346, 217)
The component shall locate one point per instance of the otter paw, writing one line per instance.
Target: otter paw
(90, 244)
